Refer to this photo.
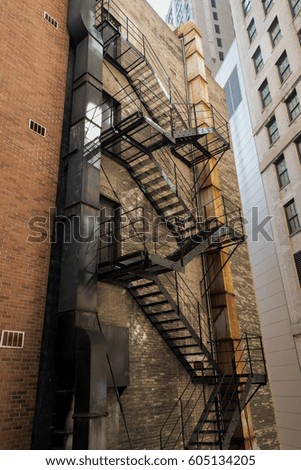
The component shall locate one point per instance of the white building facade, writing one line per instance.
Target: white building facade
(265, 188)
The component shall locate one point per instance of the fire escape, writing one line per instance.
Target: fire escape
(147, 128)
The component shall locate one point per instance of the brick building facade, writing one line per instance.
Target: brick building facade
(133, 153)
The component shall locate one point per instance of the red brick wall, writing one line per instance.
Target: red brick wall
(32, 76)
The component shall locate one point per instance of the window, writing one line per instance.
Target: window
(284, 67)
(298, 147)
(233, 93)
(265, 93)
(272, 129)
(267, 5)
(217, 29)
(215, 16)
(297, 257)
(293, 105)
(219, 42)
(275, 32)
(110, 108)
(221, 56)
(109, 229)
(292, 217)
(251, 30)
(246, 6)
(282, 173)
(295, 6)
(258, 60)
(111, 37)
(213, 3)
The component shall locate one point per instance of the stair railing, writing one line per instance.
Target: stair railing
(139, 42)
(242, 363)
(182, 185)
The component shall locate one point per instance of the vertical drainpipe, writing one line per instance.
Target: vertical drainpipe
(81, 349)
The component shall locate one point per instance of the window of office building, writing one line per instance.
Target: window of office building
(295, 6)
(246, 6)
(293, 105)
(221, 56)
(272, 129)
(215, 16)
(275, 32)
(213, 3)
(217, 29)
(282, 173)
(233, 93)
(297, 257)
(298, 146)
(258, 60)
(292, 217)
(251, 30)
(284, 67)
(265, 93)
(219, 42)
(267, 5)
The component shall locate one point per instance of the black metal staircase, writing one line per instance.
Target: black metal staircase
(165, 314)
(141, 121)
(214, 428)
(159, 115)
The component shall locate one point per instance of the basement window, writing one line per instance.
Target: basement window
(37, 128)
(50, 20)
(12, 339)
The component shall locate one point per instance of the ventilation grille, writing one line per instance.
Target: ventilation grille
(50, 20)
(12, 339)
(37, 128)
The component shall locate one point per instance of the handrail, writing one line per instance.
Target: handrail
(235, 368)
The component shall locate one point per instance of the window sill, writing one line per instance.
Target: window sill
(295, 233)
(264, 108)
(275, 45)
(284, 186)
(293, 120)
(273, 143)
(285, 81)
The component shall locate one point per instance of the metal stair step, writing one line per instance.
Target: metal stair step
(143, 286)
(204, 443)
(178, 338)
(159, 190)
(148, 173)
(181, 346)
(150, 294)
(160, 313)
(172, 320)
(171, 206)
(161, 302)
(176, 329)
(165, 198)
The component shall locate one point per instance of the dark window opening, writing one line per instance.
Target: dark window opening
(292, 217)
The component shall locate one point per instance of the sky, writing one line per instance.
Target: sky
(161, 6)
